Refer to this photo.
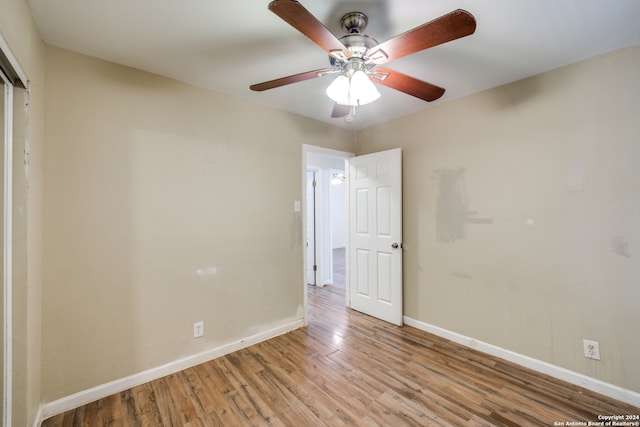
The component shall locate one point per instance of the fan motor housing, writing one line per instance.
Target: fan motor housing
(358, 44)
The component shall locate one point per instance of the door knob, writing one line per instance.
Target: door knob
(395, 245)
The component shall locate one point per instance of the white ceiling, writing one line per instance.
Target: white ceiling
(228, 45)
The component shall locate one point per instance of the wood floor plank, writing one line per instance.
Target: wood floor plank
(109, 410)
(291, 402)
(251, 388)
(348, 369)
(128, 410)
(169, 413)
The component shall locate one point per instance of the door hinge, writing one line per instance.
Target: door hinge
(315, 268)
(313, 183)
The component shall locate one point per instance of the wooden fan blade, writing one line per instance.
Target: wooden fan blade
(409, 85)
(282, 81)
(339, 111)
(451, 26)
(302, 20)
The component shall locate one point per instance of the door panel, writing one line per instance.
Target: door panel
(375, 210)
(362, 211)
(362, 273)
(385, 282)
(383, 206)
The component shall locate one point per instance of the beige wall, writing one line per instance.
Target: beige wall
(165, 204)
(19, 32)
(521, 215)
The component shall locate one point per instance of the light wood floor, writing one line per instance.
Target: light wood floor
(347, 369)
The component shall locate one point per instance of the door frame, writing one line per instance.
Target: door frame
(7, 300)
(7, 286)
(306, 150)
(13, 76)
(310, 244)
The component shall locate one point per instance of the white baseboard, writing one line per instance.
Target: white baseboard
(76, 400)
(39, 418)
(593, 384)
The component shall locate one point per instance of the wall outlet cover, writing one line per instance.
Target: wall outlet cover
(591, 349)
(198, 329)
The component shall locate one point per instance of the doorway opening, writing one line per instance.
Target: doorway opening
(372, 214)
(325, 218)
(325, 237)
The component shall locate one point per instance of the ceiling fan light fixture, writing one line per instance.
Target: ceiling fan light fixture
(362, 89)
(353, 89)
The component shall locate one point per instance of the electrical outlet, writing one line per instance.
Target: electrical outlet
(591, 349)
(198, 329)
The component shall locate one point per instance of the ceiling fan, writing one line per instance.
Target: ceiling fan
(356, 57)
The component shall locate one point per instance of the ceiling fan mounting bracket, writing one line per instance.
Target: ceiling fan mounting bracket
(354, 22)
(378, 75)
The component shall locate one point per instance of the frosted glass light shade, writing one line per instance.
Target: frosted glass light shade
(338, 90)
(353, 91)
(362, 90)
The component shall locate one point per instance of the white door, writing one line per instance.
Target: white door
(375, 235)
